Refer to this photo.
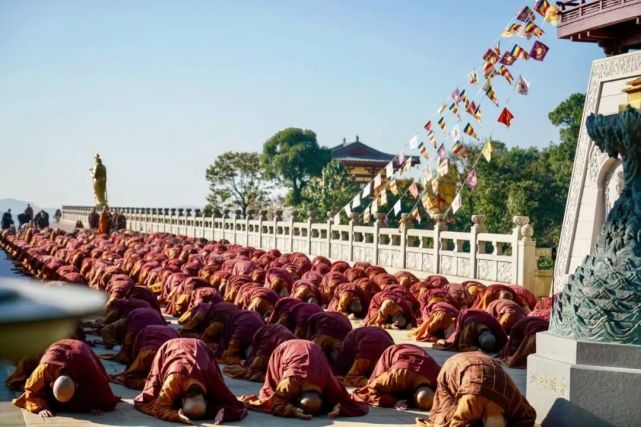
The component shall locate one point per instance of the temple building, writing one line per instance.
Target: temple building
(362, 161)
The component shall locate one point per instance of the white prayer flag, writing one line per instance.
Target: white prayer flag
(397, 207)
(456, 203)
(522, 86)
(414, 142)
(389, 169)
(348, 211)
(356, 202)
(443, 168)
(456, 134)
(367, 189)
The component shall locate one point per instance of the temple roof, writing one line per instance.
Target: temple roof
(357, 151)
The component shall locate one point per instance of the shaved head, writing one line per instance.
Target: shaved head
(312, 300)
(311, 402)
(424, 397)
(506, 295)
(63, 389)
(487, 341)
(194, 405)
(399, 321)
(356, 307)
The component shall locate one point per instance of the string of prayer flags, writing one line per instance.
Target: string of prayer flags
(442, 124)
(489, 91)
(459, 150)
(393, 187)
(539, 50)
(413, 142)
(548, 11)
(473, 78)
(356, 201)
(408, 164)
(383, 198)
(505, 72)
(519, 52)
(432, 138)
(454, 110)
(456, 133)
(506, 117)
(522, 86)
(491, 56)
(378, 180)
(443, 168)
(414, 190)
(526, 14)
(441, 108)
(487, 151)
(389, 169)
(511, 30)
(397, 207)
(472, 178)
(464, 97)
(531, 29)
(367, 190)
(507, 59)
(469, 130)
(456, 203)
(488, 70)
(441, 152)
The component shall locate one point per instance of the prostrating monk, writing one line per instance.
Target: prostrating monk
(473, 389)
(507, 312)
(404, 375)
(24, 367)
(259, 299)
(218, 317)
(350, 300)
(282, 309)
(299, 316)
(355, 359)
(185, 384)
(264, 341)
(69, 378)
(390, 310)
(475, 329)
(522, 341)
(439, 321)
(129, 327)
(497, 291)
(328, 329)
(237, 336)
(300, 384)
(148, 341)
(279, 280)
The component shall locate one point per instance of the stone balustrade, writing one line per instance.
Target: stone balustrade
(487, 257)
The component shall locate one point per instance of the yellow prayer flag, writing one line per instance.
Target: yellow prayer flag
(487, 151)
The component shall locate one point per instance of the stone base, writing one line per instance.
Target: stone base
(581, 383)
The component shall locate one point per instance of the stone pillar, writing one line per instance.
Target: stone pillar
(261, 218)
(352, 222)
(406, 224)
(439, 227)
(380, 222)
(291, 230)
(311, 218)
(330, 222)
(477, 228)
(525, 265)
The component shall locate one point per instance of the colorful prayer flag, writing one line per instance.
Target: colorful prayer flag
(454, 110)
(456, 203)
(366, 215)
(489, 91)
(428, 126)
(488, 70)
(413, 142)
(441, 152)
(393, 187)
(522, 86)
(487, 151)
(416, 214)
(442, 124)
(459, 150)
(427, 174)
(383, 197)
(425, 201)
(507, 59)
(456, 96)
(472, 179)
(441, 108)
(378, 180)
(400, 158)
(408, 165)
(389, 169)
(505, 72)
(469, 130)
(526, 14)
(519, 52)
(531, 29)
(373, 208)
(456, 133)
(511, 30)
(539, 50)
(397, 207)
(443, 167)
(414, 190)
(464, 97)
(491, 56)
(548, 11)
(506, 117)
(432, 138)
(472, 77)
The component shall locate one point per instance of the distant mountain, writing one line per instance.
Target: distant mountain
(18, 206)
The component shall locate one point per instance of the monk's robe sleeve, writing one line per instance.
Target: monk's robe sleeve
(34, 398)
(380, 392)
(164, 406)
(357, 374)
(285, 392)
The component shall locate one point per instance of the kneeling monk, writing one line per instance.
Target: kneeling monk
(358, 354)
(439, 320)
(69, 378)
(405, 373)
(475, 329)
(300, 384)
(185, 383)
(473, 389)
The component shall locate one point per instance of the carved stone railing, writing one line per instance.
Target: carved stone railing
(488, 257)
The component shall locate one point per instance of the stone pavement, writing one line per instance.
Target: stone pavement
(126, 415)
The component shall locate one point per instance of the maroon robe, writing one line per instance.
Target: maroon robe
(282, 309)
(479, 316)
(367, 342)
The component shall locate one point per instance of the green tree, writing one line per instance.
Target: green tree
(331, 191)
(237, 181)
(292, 157)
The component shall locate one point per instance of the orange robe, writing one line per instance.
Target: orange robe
(134, 323)
(469, 326)
(104, 224)
(76, 360)
(237, 336)
(522, 341)
(25, 366)
(506, 312)
(360, 350)
(473, 385)
(401, 370)
(295, 367)
(180, 363)
(437, 318)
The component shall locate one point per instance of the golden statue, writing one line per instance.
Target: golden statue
(99, 175)
(442, 191)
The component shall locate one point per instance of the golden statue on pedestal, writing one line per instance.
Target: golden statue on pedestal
(99, 175)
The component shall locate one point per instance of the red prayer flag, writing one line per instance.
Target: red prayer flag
(539, 50)
(506, 117)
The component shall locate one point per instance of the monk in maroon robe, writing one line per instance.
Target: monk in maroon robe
(475, 329)
(330, 282)
(361, 348)
(328, 329)
(473, 389)
(129, 327)
(404, 375)
(237, 336)
(299, 316)
(264, 341)
(69, 378)
(300, 384)
(390, 309)
(185, 383)
(438, 322)
(506, 312)
(522, 341)
(308, 292)
(279, 280)
(282, 309)
(148, 341)
(259, 299)
(350, 300)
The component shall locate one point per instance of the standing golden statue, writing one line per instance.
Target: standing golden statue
(99, 175)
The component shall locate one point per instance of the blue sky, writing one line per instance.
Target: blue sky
(159, 88)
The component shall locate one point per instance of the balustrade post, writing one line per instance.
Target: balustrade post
(406, 223)
(311, 217)
(330, 221)
(526, 252)
(263, 217)
(291, 230)
(248, 216)
(352, 223)
(380, 218)
(477, 228)
(438, 228)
